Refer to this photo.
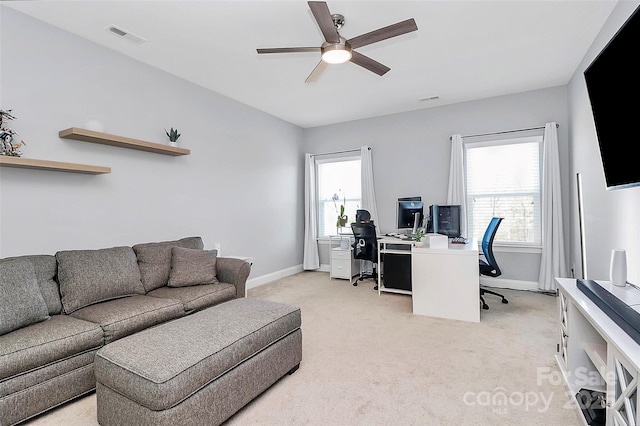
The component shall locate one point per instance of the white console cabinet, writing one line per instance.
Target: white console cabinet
(594, 353)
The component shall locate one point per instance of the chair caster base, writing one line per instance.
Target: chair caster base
(505, 301)
(485, 306)
(355, 284)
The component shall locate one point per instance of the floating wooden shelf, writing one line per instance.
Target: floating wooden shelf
(30, 163)
(84, 135)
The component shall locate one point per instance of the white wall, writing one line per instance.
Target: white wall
(411, 151)
(240, 187)
(611, 217)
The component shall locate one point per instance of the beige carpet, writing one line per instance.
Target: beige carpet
(367, 360)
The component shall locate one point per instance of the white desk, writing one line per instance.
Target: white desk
(445, 282)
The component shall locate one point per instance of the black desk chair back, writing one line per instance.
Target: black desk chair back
(488, 265)
(362, 216)
(365, 247)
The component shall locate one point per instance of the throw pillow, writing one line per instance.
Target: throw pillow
(21, 303)
(154, 260)
(92, 276)
(192, 267)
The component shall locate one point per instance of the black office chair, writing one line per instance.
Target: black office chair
(488, 265)
(365, 247)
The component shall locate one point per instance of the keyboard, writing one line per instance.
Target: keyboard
(399, 236)
(459, 240)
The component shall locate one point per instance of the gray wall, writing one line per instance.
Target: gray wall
(611, 217)
(411, 152)
(242, 184)
(240, 187)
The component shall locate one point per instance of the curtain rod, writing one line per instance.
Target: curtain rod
(338, 152)
(505, 131)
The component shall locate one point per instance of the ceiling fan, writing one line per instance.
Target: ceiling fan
(336, 49)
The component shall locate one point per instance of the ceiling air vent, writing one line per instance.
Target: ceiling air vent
(122, 33)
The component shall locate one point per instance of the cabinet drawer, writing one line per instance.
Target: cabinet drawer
(340, 254)
(341, 268)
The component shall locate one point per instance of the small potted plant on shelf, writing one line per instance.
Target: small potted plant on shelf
(173, 136)
(8, 147)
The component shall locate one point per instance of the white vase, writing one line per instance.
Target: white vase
(618, 268)
(173, 143)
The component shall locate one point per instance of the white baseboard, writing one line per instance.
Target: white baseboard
(489, 282)
(509, 284)
(264, 279)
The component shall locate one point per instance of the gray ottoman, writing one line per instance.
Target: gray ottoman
(199, 369)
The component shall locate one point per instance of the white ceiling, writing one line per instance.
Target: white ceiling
(463, 50)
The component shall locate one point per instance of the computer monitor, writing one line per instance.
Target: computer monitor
(444, 220)
(410, 212)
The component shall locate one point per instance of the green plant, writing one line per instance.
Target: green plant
(342, 218)
(8, 147)
(173, 134)
(418, 235)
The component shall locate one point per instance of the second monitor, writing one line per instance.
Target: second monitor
(444, 220)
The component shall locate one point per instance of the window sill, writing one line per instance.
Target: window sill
(517, 248)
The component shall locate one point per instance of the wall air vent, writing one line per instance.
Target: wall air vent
(122, 33)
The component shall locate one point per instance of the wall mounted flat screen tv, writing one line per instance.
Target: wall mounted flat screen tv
(613, 85)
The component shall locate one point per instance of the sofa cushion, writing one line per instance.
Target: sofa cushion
(46, 268)
(197, 297)
(192, 267)
(154, 260)
(46, 342)
(21, 303)
(92, 276)
(124, 316)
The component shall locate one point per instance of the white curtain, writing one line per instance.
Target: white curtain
(457, 192)
(311, 259)
(552, 262)
(368, 188)
(368, 196)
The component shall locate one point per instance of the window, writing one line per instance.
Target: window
(503, 179)
(339, 182)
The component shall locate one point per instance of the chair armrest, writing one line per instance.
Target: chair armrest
(234, 271)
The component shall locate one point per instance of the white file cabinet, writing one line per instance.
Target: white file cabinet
(343, 265)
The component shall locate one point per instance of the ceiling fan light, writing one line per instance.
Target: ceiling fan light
(338, 54)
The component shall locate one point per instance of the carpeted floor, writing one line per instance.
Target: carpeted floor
(367, 360)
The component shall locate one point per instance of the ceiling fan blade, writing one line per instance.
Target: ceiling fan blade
(368, 63)
(384, 33)
(288, 49)
(323, 17)
(317, 71)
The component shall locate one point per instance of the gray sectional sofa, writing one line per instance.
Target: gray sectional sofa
(57, 311)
